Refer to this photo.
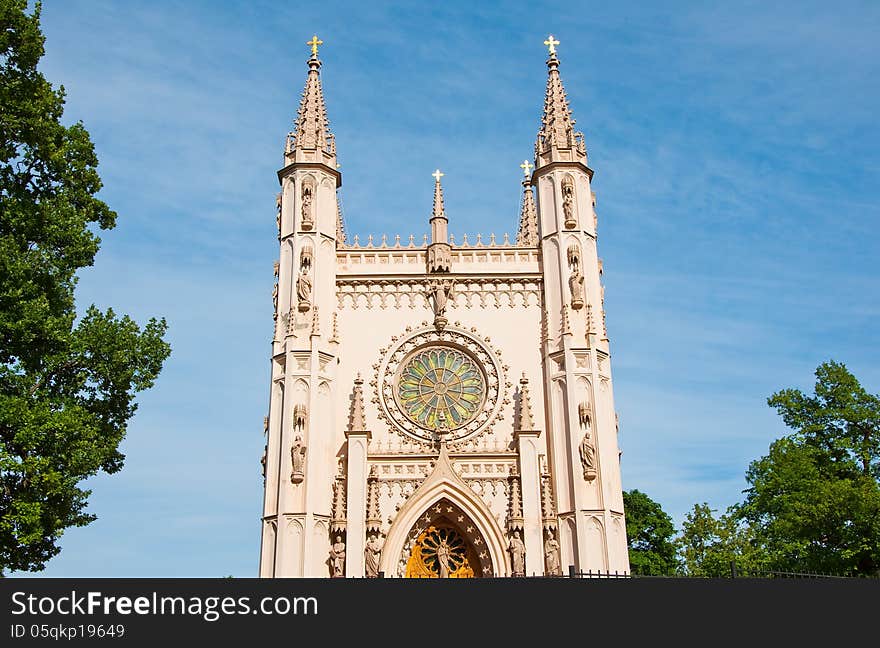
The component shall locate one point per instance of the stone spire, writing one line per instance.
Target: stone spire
(374, 520)
(311, 139)
(515, 518)
(316, 323)
(527, 235)
(557, 139)
(357, 406)
(338, 521)
(525, 421)
(439, 251)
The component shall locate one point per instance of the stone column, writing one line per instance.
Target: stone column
(356, 499)
(527, 444)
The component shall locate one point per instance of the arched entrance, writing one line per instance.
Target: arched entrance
(445, 499)
(445, 543)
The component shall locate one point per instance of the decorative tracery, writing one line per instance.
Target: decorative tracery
(439, 553)
(441, 388)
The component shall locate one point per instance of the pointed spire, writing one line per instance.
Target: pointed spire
(334, 336)
(311, 139)
(439, 251)
(525, 421)
(316, 323)
(515, 519)
(374, 520)
(340, 223)
(548, 510)
(566, 322)
(338, 521)
(357, 406)
(439, 208)
(557, 139)
(527, 235)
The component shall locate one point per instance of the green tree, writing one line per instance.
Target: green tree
(707, 545)
(649, 533)
(66, 387)
(814, 500)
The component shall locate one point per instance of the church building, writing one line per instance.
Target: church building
(440, 408)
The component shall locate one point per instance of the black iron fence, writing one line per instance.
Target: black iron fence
(735, 571)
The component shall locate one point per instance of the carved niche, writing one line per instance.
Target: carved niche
(307, 192)
(568, 202)
(587, 450)
(576, 279)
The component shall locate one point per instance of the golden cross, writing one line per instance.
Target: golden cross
(525, 166)
(315, 42)
(551, 44)
(437, 175)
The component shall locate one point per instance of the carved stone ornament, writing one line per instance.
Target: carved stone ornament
(568, 203)
(517, 555)
(576, 285)
(305, 258)
(587, 450)
(306, 209)
(297, 460)
(440, 291)
(278, 214)
(552, 566)
(440, 381)
(371, 557)
(304, 292)
(337, 558)
(298, 449)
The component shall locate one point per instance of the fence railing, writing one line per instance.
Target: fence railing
(735, 572)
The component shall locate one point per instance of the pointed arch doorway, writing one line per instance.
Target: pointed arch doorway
(445, 543)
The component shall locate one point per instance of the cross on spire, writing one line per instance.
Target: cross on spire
(551, 44)
(315, 42)
(525, 166)
(437, 175)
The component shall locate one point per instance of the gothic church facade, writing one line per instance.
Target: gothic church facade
(440, 408)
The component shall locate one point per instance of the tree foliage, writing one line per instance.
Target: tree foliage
(649, 533)
(814, 500)
(66, 387)
(708, 545)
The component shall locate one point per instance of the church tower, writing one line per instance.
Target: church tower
(442, 409)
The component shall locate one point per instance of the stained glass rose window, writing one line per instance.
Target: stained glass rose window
(441, 388)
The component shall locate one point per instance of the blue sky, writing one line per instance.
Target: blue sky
(737, 159)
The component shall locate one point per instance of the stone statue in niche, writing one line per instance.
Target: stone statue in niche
(568, 203)
(576, 280)
(551, 555)
(371, 557)
(276, 267)
(304, 281)
(337, 558)
(275, 301)
(304, 292)
(306, 211)
(297, 460)
(264, 458)
(440, 292)
(517, 555)
(587, 450)
(588, 457)
(576, 285)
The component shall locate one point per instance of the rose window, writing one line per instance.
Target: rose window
(441, 388)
